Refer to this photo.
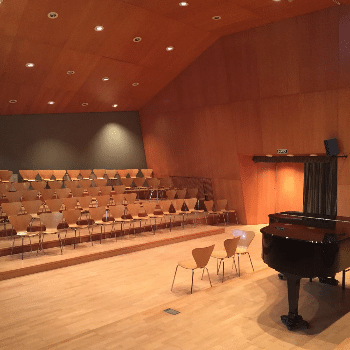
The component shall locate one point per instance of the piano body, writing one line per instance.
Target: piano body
(301, 246)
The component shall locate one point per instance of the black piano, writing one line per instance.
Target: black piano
(305, 246)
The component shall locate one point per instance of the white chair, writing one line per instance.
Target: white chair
(246, 237)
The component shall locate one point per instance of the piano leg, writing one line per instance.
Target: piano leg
(293, 320)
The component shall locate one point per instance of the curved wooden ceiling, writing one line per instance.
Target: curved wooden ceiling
(70, 42)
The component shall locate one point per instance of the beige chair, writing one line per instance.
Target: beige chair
(85, 184)
(153, 185)
(200, 260)
(220, 208)
(209, 210)
(93, 191)
(119, 189)
(47, 194)
(70, 203)
(103, 201)
(77, 192)
(191, 206)
(33, 207)
(134, 210)
(140, 185)
(59, 174)
(85, 174)
(85, 203)
(28, 175)
(5, 175)
(20, 223)
(246, 237)
(45, 175)
(21, 186)
(71, 184)
(165, 207)
(54, 205)
(123, 173)
(101, 218)
(30, 195)
(63, 192)
(73, 174)
(100, 182)
(133, 172)
(38, 185)
(118, 199)
(71, 218)
(118, 213)
(181, 194)
(177, 204)
(150, 209)
(51, 222)
(130, 197)
(127, 182)
(99, 173)
(12, 208)
(147, 173)
(170, 194)
(14, 196)
(111, 173)
(56, 184)
(106, 190)
(230, 245)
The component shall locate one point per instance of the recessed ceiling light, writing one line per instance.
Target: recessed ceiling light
(52, 15)
(183, 3)
(51, 103)
(216, 18)
(29, 65)
(276, 0)
(170, 48)
(135, 84)
(99, 28)
(70, 72)
(84, 104)
(137, 39)
(114, 106)
(105, 78)
(12, 101)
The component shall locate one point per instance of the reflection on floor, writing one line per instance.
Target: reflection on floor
(119, 303)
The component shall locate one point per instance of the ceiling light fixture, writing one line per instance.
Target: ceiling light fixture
(52, 15)
(170, 48)
(313, 155)
(216, 18)
(70, 72)
(137, 39)
(84, 104)
(290, 155)
(29, 65)
(183, 3)
(51, 103)
(12, 101)
(269, 155)
(115, 105)
(135, 84)
(99, 28)
(105, 78)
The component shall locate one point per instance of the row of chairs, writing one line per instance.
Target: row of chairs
(48, 175)
(238, 245)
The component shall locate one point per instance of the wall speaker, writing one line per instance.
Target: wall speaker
(331, 146)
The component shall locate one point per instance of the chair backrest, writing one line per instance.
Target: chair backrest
(73, 174)
(122, 172)
(230, 245)
(202, 255)
(165, 205)
(14, 196)
(191, 203)
(85, 202)
(111, 173)
(29, 175)
(47, 194)
(99, 173)
(77, 192)
(5, 175)
(85, 174)
(45, 174)
(209, 205)
(11, 208)
(119, 189)
(177, 203)
(192, 192)
(32, 207)
(54, 204)
(85, 183)
(100, 182)
(63, 192)
(38, 185)
(118, 198)
(57, 184)
(51, 220)
(134, 209)
(246, 237)
(21, 186)
(31, 195)
(153, 182)
(147, 172)
(59, 174)
(149, 206)
(133, 172)
(97, 213)
(70, 203)
(220, 204)
(139, 181)
(126, 181)
(71, 184)
(117, 211)
(93, 191)
(103, 201)
(20, 222)
(181, 194)
(170, 194)
(106, 190)
(71, 216)
(130, 197)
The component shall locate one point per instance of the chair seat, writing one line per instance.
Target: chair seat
(241, 250)
(188, 264)
(219, 254)
(27, 234)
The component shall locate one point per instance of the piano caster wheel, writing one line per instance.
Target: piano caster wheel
(280, 276)
(294, 322)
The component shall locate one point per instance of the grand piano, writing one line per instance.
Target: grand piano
(305, 246)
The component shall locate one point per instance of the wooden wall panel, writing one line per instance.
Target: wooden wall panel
(343, 202)
(344, 46)
(241, 59)
(277, 52)
(318, 36)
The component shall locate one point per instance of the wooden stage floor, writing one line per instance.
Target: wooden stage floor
(119, 302)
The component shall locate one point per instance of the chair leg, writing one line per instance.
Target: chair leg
(59, 238)
(208, 276)
(22, 246)
(223, 269)
(250, 261)
(239, 268)
(234, 262)
(192, 281)
(174, 277)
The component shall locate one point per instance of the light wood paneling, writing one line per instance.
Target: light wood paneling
(343, 202)
(344, 46)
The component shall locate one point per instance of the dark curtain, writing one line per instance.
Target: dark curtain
(320, 188)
